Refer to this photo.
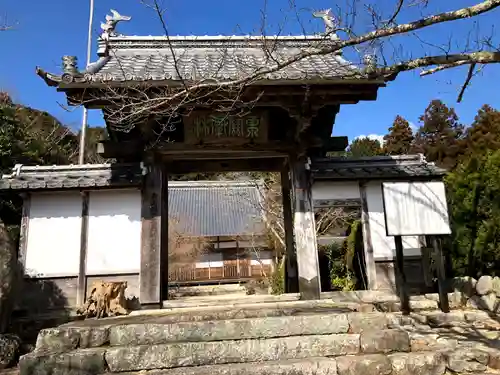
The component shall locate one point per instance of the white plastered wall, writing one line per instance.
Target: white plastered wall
(384, 246)
(335, 190)
(210, 260)
(114, 232)
(54, 234)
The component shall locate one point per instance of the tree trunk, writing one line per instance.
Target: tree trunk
(105, 299)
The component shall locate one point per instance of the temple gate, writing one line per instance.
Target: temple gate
(180, 105)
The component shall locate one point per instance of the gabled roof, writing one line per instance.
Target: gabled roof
(171, 59)
(215, 208)
(389, 167)
(205, 58)
(217, 58)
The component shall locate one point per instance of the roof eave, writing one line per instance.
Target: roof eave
(85, 84)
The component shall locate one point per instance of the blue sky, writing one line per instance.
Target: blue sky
(47, 30)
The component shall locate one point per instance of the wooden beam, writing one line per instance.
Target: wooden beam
(150, 294)
(226, 165)
(291, 275)
(305, 233)
(327, 145)
(110, 149)
(23, 237)
(371, 273)
(271, 146)
(82, 277)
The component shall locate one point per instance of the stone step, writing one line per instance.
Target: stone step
(157, 331)
(230, 299)
(411, 363)
(98, 361)
(130, 356)
(162, 329)
(206, 290)
(180, 354)
(244, 309)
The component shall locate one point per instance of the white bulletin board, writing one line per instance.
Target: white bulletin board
(415, 208)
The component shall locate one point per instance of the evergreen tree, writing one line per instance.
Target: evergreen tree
(363, 147)
(400, 137)
(441, 136)
(473, 191)
(484, 134)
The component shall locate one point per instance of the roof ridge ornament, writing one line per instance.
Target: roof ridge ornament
(331, 23)
(108, 28)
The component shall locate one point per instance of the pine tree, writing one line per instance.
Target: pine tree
(400, 137)
(362, 147)
(441, 136)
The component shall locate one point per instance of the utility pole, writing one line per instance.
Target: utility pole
(83, 133)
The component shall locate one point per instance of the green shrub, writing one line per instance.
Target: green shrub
(277, 279)
(341, 258)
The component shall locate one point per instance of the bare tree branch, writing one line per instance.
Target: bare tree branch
(467, 82)
(134, 104)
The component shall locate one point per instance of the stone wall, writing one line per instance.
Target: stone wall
(483, 294)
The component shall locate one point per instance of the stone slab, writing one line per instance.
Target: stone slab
(148, 357)
(384, 341)
(80, 362)
(229, 299)
(309, 366)
(364, 364)
(236, 329)
(423, 363)
(359, 322)
(59, 340)
(467, 360)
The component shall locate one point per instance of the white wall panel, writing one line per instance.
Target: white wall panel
(114, 232)
(264, 257)
(383, 245)
(416, 208)
(335, 190)
(210, 260)
(54, 234)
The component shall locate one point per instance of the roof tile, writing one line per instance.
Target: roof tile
(403, 166)
(229, 209)
(230, 58)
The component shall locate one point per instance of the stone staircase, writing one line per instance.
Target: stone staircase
(285, 337)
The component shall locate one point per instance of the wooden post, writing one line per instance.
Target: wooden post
(371, 273)
(444, 304)
(426, 261)
(23, 235)
(82, 272)
(152, 237)
(291, 280)
(305, 233)
(401, 277)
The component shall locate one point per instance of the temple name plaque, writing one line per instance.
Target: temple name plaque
(217, 128)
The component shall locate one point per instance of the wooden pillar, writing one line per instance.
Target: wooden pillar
(444, 304)
(305, 233)
(82, 272)
(401, 276)
(371, 273)
(153, 235)
(23, 235)
(291, 280)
